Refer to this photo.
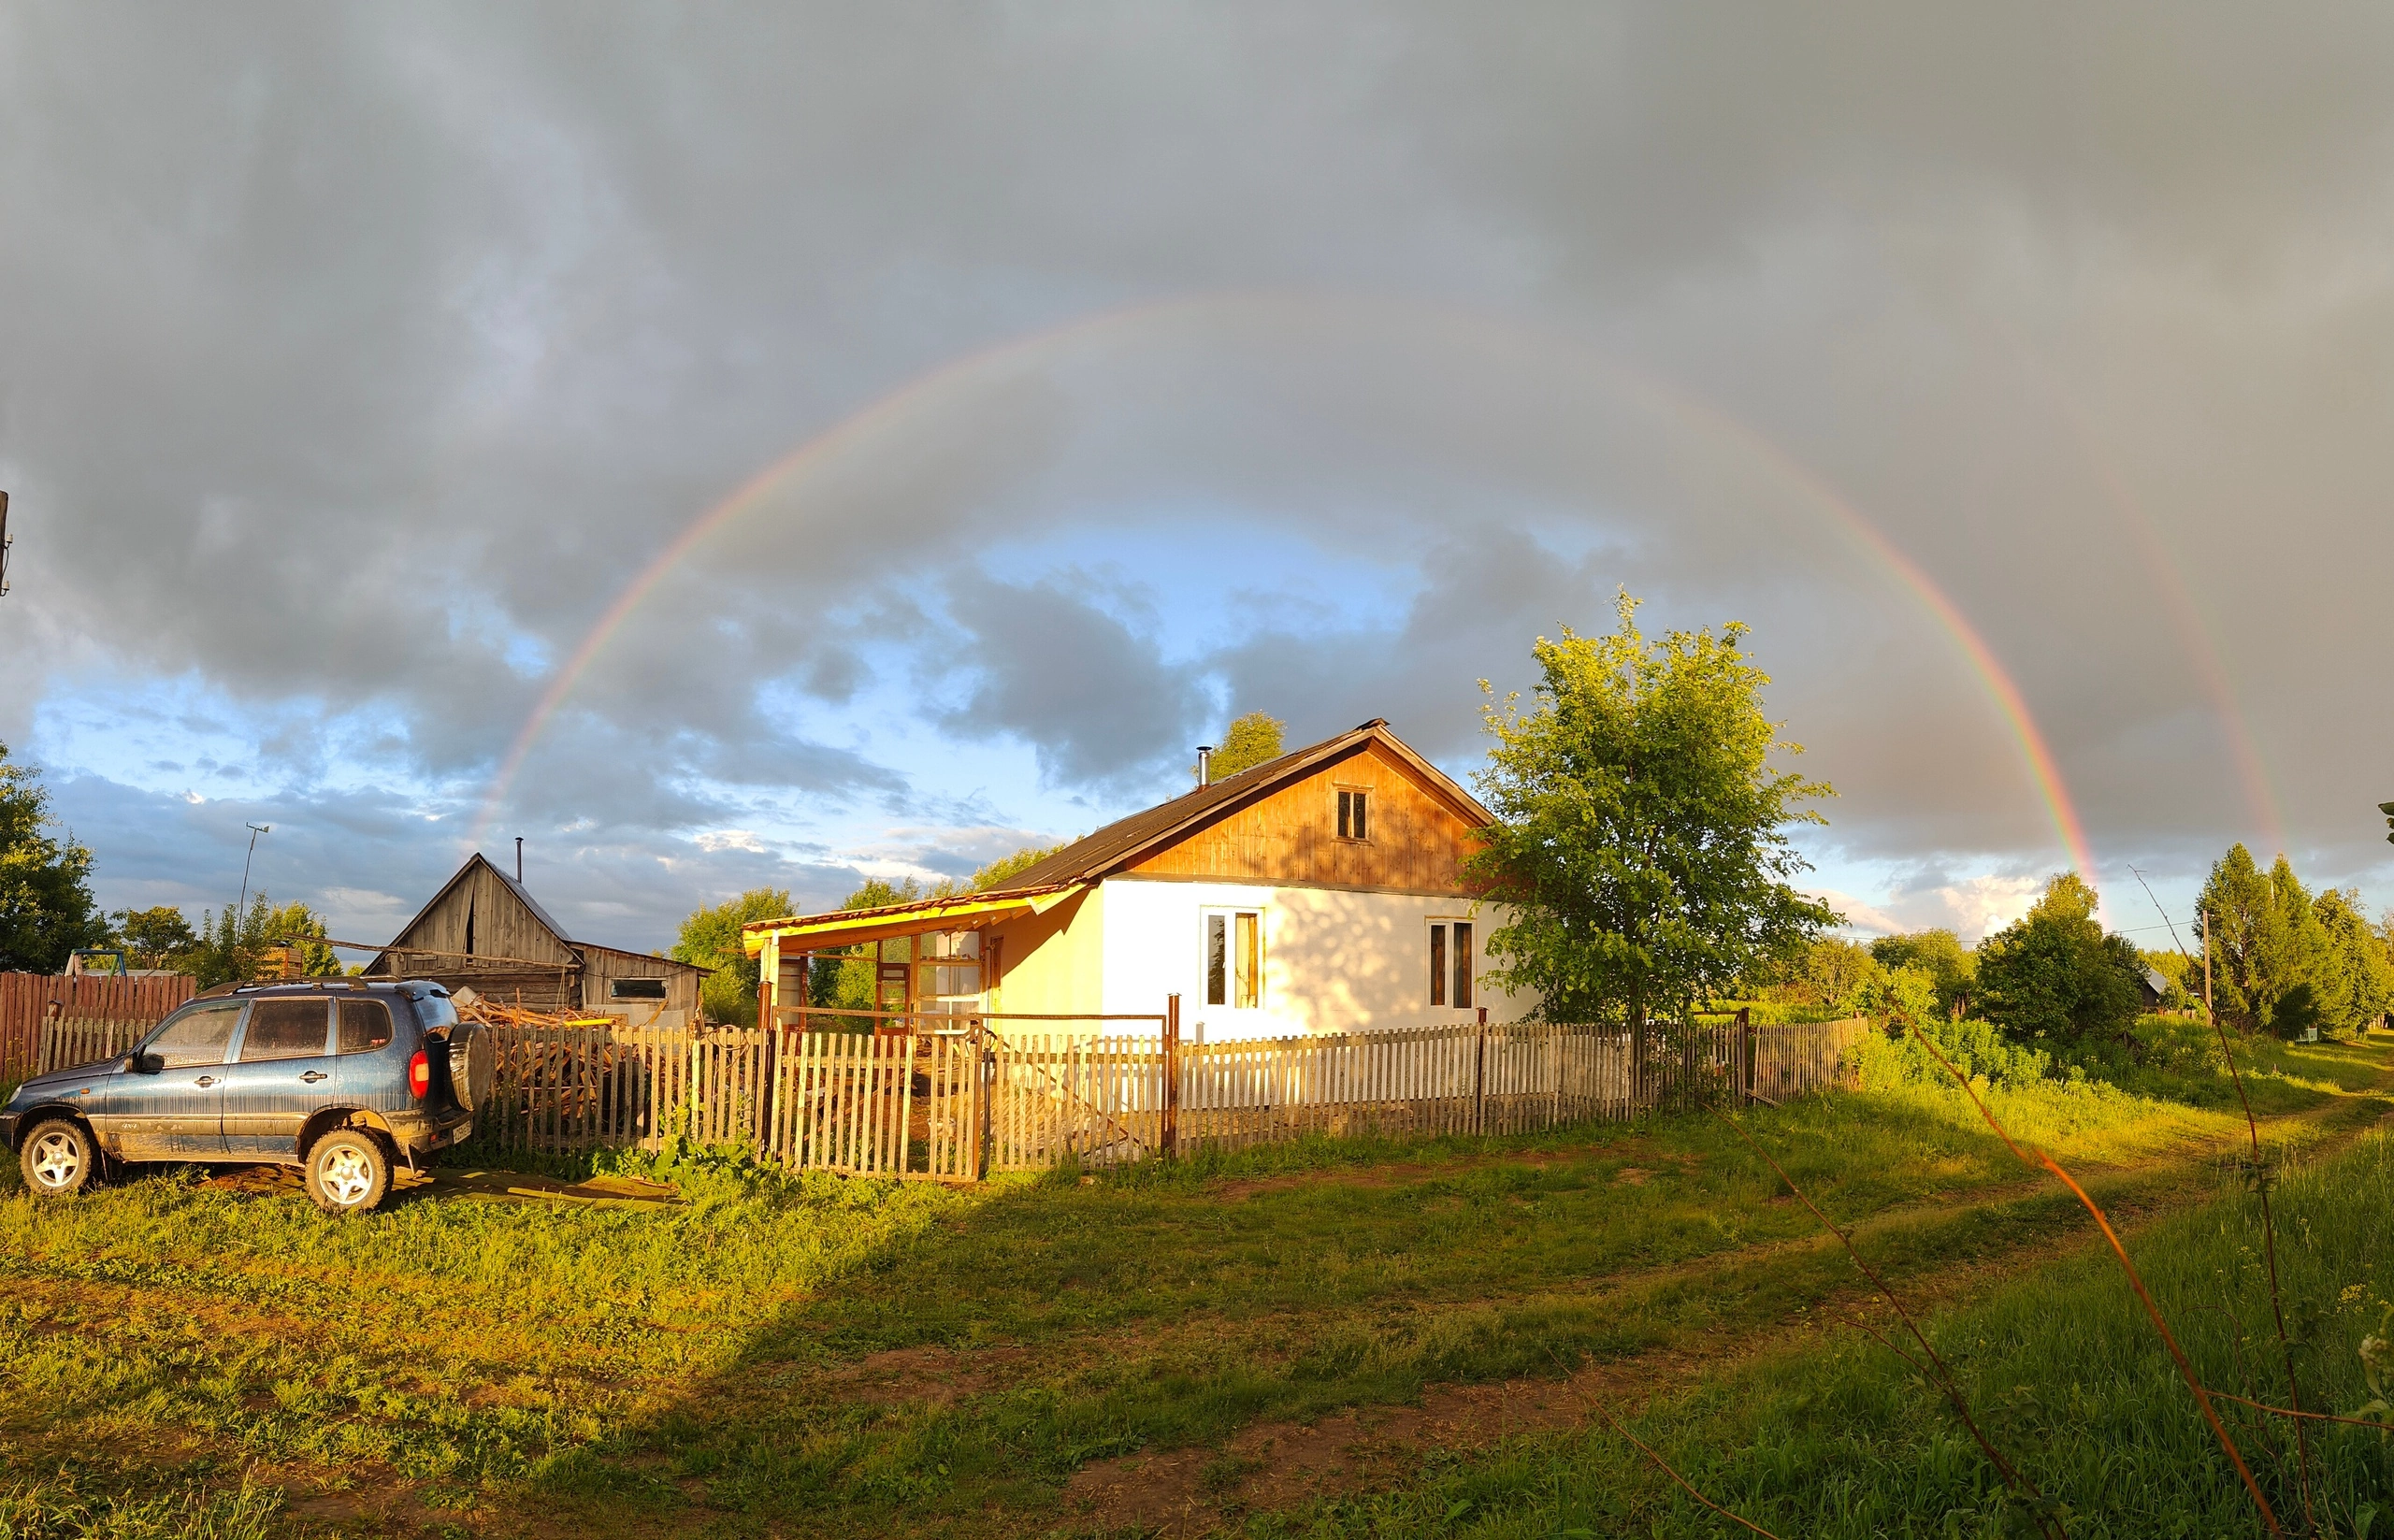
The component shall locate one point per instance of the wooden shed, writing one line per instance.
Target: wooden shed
(484, 932)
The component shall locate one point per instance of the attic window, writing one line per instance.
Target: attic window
(1352, 818)
(635, 988)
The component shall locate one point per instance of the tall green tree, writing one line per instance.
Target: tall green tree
(1640, 835)
(2054, 976)
(1252, 740)
(45, 905)
(2244, 933)
(1952, 969)
(711, 938)
(234, 946)
(2355, 986)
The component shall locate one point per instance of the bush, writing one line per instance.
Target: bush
(1977, 1049)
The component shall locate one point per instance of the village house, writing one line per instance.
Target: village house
(483, 932)
(1321, 892)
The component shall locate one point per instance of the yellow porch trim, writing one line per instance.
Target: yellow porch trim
(849, 928)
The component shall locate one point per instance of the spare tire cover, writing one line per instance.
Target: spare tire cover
(473, 1062)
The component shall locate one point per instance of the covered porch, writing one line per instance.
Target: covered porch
(929, 958)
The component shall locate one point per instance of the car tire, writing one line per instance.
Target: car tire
(57, 1158)
(348, 1171)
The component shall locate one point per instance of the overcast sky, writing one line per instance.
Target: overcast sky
(967, 408)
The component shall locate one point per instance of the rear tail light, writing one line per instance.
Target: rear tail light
(419, 1076)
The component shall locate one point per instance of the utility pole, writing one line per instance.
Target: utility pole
(3, 543)
(2207, 1009)
(256, 829)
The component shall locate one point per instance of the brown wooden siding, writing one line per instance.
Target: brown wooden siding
(503, 924)
(1416, 839)
(603, 963)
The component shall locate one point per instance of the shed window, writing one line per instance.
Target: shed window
(635, 988)
(1353, 819)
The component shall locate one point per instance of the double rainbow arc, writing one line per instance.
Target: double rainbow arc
(792, 469)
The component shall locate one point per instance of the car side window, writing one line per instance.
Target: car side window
(199, 1036)
(365, 1026)
(285, 1028)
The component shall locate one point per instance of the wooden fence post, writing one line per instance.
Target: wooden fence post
(1479, 1077)
(1172, 1074)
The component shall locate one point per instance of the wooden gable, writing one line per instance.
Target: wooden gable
(480, 914)
(1416, 834)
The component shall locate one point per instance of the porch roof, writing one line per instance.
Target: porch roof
(851, 927)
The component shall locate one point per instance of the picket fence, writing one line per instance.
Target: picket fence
(32, 1003)
(957, 1099)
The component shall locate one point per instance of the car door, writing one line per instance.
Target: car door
(278, 1075)
(370, 1073)
(171, 1107)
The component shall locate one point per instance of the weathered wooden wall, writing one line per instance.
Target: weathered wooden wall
(1417, 838)
(602, 964)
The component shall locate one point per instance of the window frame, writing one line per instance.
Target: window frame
(1244, 960)
(1453, 952)
(1351, 810)
(323, 1004)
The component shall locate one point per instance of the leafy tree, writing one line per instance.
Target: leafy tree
(1900, 997)
(156, 936)
(2243, 930)
(1639, 835)
(2055, 976)
(46, 907)
(1952, 970)
(2355, 986)
(996, 873)
(711, 938)
(1829, 973)
(234, 948)
(1252, 740)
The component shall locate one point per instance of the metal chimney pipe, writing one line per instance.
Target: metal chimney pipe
(1205, 763)
(519, 860)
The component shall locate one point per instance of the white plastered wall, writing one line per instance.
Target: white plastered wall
(1333, 960)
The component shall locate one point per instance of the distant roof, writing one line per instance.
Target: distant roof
(546, 919)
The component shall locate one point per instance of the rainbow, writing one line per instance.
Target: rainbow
(889, 409)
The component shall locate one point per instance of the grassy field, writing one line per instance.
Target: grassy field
(1331, 1337)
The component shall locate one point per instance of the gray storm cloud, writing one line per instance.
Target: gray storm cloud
(352, 361)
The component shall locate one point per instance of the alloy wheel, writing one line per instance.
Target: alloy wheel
(57, 1158)
(345, 1175)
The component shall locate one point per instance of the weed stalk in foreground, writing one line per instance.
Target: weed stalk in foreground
(1942, 1378)
(2034, 1156)
(2269, 1249)
(1664, 1466)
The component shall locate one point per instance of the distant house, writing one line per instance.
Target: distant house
(1320, 892)
(483, 932)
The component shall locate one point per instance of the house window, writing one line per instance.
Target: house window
(1451, 962)
(635, 988)
(1354, 817)
(1234, 959)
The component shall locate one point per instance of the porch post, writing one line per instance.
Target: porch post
(768, 980)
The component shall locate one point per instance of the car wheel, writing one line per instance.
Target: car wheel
(348, 1171)
(58, 1159)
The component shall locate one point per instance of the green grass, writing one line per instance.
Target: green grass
(1843, 1440)
(621, 1368)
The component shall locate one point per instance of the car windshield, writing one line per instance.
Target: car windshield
(198, 1036)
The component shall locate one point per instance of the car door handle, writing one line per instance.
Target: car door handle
(205, 1080)
(314, 1075)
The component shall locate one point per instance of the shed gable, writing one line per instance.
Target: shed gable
(1415, 839)
(480, 914)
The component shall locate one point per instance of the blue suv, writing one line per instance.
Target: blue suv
(341, 1078)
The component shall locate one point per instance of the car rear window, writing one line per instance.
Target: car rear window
(199, 1036)
(365, 1026)
(285, 1028)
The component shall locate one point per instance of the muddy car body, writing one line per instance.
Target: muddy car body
(341, 1078)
